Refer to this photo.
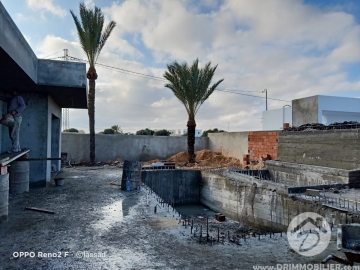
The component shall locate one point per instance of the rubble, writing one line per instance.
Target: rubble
(318, 126)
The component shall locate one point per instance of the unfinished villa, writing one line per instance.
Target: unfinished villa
(142, 206)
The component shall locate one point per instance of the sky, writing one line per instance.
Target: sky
(292, 48)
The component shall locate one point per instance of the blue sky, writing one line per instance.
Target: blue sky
(292, 48)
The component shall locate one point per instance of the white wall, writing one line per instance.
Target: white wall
(273, 119)
(230, 144)
(338, 109)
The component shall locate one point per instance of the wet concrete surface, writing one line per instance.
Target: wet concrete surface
(94, 217)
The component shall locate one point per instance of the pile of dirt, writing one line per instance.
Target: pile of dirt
(181, 157)
(206, 158)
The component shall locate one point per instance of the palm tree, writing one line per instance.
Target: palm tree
(92, 39)
(190, 84)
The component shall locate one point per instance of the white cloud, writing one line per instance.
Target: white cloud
(89, 3)
(52, 44)
(46, 5)
(292, 49)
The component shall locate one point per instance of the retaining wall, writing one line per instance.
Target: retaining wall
(293, 174)
(178, 186)
(260, 203)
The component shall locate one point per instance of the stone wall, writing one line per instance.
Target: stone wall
(326, 148)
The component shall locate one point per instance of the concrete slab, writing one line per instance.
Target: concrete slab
(124, 229)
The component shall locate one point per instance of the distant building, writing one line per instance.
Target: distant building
(181, 132)
(315, 109)
(274, 119)
(198, 132)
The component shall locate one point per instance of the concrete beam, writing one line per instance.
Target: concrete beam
(61, 73)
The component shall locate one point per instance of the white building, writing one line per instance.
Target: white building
(274, 119)
(315, 109)
(198, 132)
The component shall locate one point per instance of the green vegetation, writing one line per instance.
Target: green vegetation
(116, 129)
(71, 130)
(145, 131)
(191, 85)
(162, 132)
(215, 130)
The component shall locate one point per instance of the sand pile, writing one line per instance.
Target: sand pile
(205, 158)
(181, 157)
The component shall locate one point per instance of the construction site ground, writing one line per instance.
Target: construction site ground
(98, 226)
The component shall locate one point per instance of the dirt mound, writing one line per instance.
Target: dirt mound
(205, 158)
(181, 157)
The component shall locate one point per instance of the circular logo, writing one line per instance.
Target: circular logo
(309, 234)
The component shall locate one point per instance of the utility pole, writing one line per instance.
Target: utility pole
(65, 111)
(65, 116)
(66, 54)
(265, 90)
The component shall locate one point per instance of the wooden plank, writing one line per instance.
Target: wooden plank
(11, 157)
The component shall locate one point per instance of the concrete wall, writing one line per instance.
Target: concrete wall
(33, 134)
(274, 119)
(61, 73)
(293, 174)
(53, 135)
(325, 110)
(326, 148)
(338, 109)
(15, 45)
(178, 186)
(305, 111)
(230, 144)
(126, 147)
(38, 134)
(258, 203)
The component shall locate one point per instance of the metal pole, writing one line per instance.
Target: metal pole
(265, 90)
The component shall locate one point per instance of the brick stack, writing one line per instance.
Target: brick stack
(262, 144)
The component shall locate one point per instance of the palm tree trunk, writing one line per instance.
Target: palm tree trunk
(92, 76)
(191, 124)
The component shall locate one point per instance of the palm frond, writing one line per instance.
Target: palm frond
(90, 31)
(190, 84)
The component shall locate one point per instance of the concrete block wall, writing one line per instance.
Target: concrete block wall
(326, 148)
(263, 144)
